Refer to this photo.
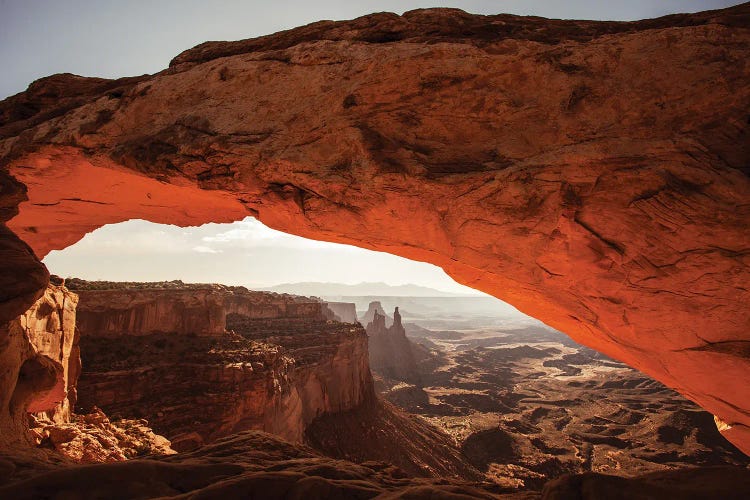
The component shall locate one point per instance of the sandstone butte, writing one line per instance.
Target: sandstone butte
(593, 174)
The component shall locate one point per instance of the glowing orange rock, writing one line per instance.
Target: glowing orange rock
(595, 175)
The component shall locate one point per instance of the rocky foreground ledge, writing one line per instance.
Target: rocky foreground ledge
(257, 465)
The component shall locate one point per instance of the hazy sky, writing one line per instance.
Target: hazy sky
(243, 253)
(114, 39)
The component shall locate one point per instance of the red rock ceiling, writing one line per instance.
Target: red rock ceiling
(594, 175)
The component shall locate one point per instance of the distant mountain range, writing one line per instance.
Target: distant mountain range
(319, 289)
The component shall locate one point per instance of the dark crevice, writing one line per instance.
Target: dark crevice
(611, 244)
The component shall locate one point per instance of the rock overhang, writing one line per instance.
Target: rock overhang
(595, 179)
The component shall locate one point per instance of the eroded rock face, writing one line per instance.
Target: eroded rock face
(594, 175)
(346, 312)
(113, 309)
(390, 351)
(281, 365)
(39, 356)
(253, 462)
(373, 309)
(93, 438)
(380, 432)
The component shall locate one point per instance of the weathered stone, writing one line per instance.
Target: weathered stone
(592, 174)
(165, 354)
(391, 354)
(40, 365)
(254, 464)
(346, 312)
(93, 438)
(114, 309)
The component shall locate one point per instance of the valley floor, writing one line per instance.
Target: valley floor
(527, 405)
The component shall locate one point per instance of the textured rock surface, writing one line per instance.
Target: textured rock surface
(247, 465)
(93, 438)
(529, 405)
(256, 465)
(378, 431)
(112, 309)
(391, 354)
(282, 365)
(22, 277)
(345, 312)
(592, 174)
(374, 308)
(708, 482)
(38, 354)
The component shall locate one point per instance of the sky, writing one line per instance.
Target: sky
(242, 253)
(115, 39)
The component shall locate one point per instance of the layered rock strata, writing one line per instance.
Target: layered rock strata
(40, 361)
(593, 174)
(281, 365)
(346, 312)
(374, 308)
(114, 309)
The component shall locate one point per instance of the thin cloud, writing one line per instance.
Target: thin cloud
(251, 233)
(205, 249)
(242, 253)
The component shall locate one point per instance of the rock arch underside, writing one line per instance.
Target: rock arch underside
(592, 174)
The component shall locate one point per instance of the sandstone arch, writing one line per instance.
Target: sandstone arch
(595, 175)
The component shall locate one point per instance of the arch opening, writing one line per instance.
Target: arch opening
(598, 311)
(472, 362)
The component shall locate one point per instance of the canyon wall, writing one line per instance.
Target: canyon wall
(345, 312)
(592, 174)
(113, 309)
(39, 356)
(281, 365)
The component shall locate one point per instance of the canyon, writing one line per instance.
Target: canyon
(42, 349)
(279, 364)
(200, 362)
(592, 174)
(526, 404)
(285, 355)
(617, 191)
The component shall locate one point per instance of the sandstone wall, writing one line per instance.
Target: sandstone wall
(345, 311)
(291, 366)
(189, 311)
(334, 383)
(39, 356)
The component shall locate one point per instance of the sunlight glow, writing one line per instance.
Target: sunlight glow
(242, 253)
